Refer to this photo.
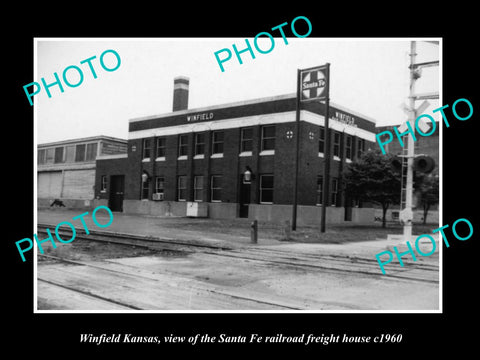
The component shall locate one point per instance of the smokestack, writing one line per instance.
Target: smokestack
(180, 93)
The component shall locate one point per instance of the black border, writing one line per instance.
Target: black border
(57, 335)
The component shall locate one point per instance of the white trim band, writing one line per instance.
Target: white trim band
(232, 123)
(112, 156)
(180, 86)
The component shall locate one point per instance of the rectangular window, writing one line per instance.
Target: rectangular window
(41, 154)
(334, 192)
(216, 188)
(103, 183)
(59, 155)
(336, 144)
(182, 188)
(266, 189)
(198, 188)
(360, 147)
(145, 189)
(147, 148)
(80, 152)
(268, 137)
(91, 152)
(246, 140)
(50, 156)
(319, 190)
(161, 147)
(348, 147)
(159, 185)
(321, 140)
(183, 145)
(200, 144)
(217, 142)
(70, 154)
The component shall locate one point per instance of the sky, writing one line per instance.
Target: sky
(369, 76)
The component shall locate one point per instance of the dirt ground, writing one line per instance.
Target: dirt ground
(179, 280)
(247, 278)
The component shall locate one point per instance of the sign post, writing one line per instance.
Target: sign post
(313, 84)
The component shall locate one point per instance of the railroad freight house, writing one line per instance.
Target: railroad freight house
(236, 160)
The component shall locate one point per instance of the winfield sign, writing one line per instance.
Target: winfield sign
(344, 118)
(200, 117)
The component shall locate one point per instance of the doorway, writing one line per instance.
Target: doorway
(117, 185)
(244, 198)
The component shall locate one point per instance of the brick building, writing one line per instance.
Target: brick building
(235, 160)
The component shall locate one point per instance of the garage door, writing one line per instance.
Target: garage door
(49, 185)
(78, 184)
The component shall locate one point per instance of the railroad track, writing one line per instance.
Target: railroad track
(153, 243)
(223, 297)
(89, 279)
(340, 263)
(413, 271)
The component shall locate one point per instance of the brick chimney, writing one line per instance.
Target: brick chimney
(180, 93)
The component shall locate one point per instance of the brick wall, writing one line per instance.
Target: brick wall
(108, 167)
(231, 166)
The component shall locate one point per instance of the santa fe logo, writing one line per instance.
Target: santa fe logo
(314, 83)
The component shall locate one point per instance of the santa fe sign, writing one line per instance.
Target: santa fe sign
(314, 83)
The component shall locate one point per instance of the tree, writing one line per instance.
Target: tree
(427, 188)
(372, 178)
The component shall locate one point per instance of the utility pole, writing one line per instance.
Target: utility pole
(407, 228)
(297, 149)
(326, 159)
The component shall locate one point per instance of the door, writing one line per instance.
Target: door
(117, 184)
(348, 209)
(244, 198)
(49, 185)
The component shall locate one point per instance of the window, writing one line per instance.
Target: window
(319, 190)
(161, 147)
(321, 141)
(145, 189)
(360, 147)
(182, 188)
(80, 152)
(159, 185)
(147, 148)
(246, 140)
(50, 156)
(91, 151)
(268, 137)
(59, 155)
(334, 192)
(103, 183)
(266, 189)
(348, 147)
(198, 188)
(183, 145)
(200, 144)
(41, 155)
(69, 154)
(217, 142)
(216, 188)
(336, 144)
